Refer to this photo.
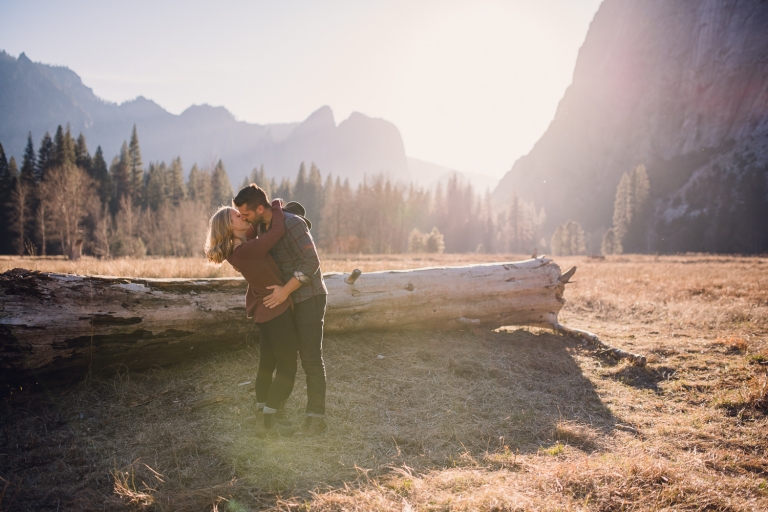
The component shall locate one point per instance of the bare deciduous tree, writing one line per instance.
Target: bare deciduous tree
(21, 196)
(67, 192)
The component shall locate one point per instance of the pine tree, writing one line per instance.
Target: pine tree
(439, 208)
(135, 168)
(284, 191)
(221, 187)
(29, 161)
(631, 211)
(314, 192)
(46, 157)
(6, 179)
(82, 158)
(610, 243)
(100, 175)
(337, 216)
(519, 227)
(636, 236)
(192, 182)
(259, 177)
(299, 190)
(122, 180)
(20, 199)
(199, 187)
(488, 226)
(174, 182)
(64, 148)
(6, 186)
(27, 177)
(568, 240)
(155, 191)
(309, 190)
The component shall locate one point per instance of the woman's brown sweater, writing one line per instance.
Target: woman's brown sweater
(253, 261)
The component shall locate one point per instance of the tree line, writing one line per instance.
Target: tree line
(631, 221)
(63, 200)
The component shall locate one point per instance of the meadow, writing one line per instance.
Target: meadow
(508, 419)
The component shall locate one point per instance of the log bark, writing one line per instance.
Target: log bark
(60, 324)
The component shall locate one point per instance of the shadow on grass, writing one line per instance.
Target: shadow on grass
(179, 437)
(642, 377)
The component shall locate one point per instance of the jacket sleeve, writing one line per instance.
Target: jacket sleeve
(258, 247)
(303, 245)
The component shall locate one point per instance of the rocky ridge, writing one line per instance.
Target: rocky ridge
(37, 98)
(680, 86)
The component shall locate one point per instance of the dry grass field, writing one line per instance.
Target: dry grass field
(513, 419)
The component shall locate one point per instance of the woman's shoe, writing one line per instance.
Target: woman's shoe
(281, 417)
(271, 428)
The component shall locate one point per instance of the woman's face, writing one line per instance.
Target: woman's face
(239, 225)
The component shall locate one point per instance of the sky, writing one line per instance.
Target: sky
(471, 85)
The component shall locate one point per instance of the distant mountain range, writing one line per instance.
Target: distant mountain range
(37, 98)
(680, 86)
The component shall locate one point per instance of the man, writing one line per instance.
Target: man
(296, 256)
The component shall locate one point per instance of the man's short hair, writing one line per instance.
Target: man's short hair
(253, 196)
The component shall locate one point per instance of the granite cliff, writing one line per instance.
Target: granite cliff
(680, 86)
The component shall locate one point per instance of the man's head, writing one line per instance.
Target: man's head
(252, 202)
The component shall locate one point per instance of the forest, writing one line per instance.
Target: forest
(63, 200)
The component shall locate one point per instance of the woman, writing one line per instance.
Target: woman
(227, 240)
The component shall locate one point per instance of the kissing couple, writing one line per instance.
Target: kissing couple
(270, 245)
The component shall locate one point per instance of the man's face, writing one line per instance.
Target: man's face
(253, 217)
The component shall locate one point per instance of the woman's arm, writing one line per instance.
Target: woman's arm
(258, 247)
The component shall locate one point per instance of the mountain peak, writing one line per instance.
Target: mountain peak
(321, 118)
(208, 113)
(141, 106)
(23, 57)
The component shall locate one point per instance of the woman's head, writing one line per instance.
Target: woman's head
(225, 225)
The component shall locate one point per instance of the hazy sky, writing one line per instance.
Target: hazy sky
(470, 84)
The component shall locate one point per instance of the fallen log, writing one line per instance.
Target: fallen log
(60, 323)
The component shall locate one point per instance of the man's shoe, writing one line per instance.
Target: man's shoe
(313, 426)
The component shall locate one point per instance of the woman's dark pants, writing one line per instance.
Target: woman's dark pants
(278, 350)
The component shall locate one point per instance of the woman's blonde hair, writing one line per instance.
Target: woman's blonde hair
(220, 241)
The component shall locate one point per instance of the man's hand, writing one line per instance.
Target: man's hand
(278, 296)
(281, 293)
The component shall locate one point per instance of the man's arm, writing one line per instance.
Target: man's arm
(281, 293)
(302, 244)
(297, 235)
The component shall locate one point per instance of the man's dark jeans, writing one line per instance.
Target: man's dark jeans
(309, 317)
